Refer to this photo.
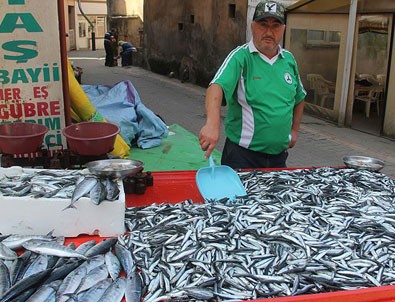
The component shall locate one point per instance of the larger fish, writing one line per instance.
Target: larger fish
(82, 188)
(6, 253)
(15, 242)
(52, 248)
(98, 193)
(112, 189)
(115, 291)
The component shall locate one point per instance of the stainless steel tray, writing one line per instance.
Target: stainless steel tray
(115, 167)
(363, 163)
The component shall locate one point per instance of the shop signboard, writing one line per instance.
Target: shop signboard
(30, 66)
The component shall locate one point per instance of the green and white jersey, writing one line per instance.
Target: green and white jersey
(261, 95)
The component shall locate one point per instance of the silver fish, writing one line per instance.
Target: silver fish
(6, 253)
(83, 188)
(52, 248)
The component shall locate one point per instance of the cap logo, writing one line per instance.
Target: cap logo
(270, 7)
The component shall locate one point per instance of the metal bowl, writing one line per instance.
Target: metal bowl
(115, 167)
(363, 163)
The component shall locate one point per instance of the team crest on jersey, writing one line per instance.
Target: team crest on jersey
(288, 78)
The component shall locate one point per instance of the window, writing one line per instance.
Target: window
(192, 19)
(82, 29)
(232, 10)
(321, 38)
(180, 26)
(317, 55)
(98, 23)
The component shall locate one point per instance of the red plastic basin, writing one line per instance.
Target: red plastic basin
(21, 137)
(91, 138)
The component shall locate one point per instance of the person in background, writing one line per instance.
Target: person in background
(115, 44)
(260, 83)
(126, 52)
(108, 47)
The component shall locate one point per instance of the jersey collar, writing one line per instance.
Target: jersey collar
(271, 61)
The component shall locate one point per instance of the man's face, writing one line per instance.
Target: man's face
(267, 34)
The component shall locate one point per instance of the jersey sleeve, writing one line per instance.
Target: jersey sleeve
(300, 91)
(228, 75)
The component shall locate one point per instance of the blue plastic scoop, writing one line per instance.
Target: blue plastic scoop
(217, 182)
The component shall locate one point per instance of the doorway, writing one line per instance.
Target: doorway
(83, 33)
(372, 55)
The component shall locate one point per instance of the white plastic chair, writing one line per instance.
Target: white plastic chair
(322, 88)
(368, 77)
(374, 96)
(381, 79)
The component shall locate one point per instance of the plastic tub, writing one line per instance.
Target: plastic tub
(91, 138)
(21, 137)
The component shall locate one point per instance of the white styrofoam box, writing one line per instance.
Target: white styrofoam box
(39, 216)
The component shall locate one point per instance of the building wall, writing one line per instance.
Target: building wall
(69, 5)
(92, 9)
(126, 8)
(125, 19)
(98, 7)
(190, 39)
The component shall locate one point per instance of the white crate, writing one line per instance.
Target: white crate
(28, 215)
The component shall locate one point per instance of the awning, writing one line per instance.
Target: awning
(342, 6)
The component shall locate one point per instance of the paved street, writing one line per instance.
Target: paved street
(320, 143)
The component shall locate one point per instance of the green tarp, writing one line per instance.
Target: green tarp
(179, 151)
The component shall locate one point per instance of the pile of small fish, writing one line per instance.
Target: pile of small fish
(297, 232)
(49, 271)
(68, 184)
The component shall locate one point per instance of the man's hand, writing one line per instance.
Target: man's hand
(294, 138)
(208, 139)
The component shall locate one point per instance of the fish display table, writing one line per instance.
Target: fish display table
(171, 229)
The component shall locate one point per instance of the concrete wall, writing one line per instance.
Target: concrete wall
(69, 23)
(93, 8)
(125, 18)
(126, 8)
(129, 29)
(190, 39)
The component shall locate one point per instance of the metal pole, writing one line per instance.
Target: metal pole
(348, 61)
(90, 25)
(64, 62)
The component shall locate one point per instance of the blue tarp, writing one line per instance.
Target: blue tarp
(121, 105)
